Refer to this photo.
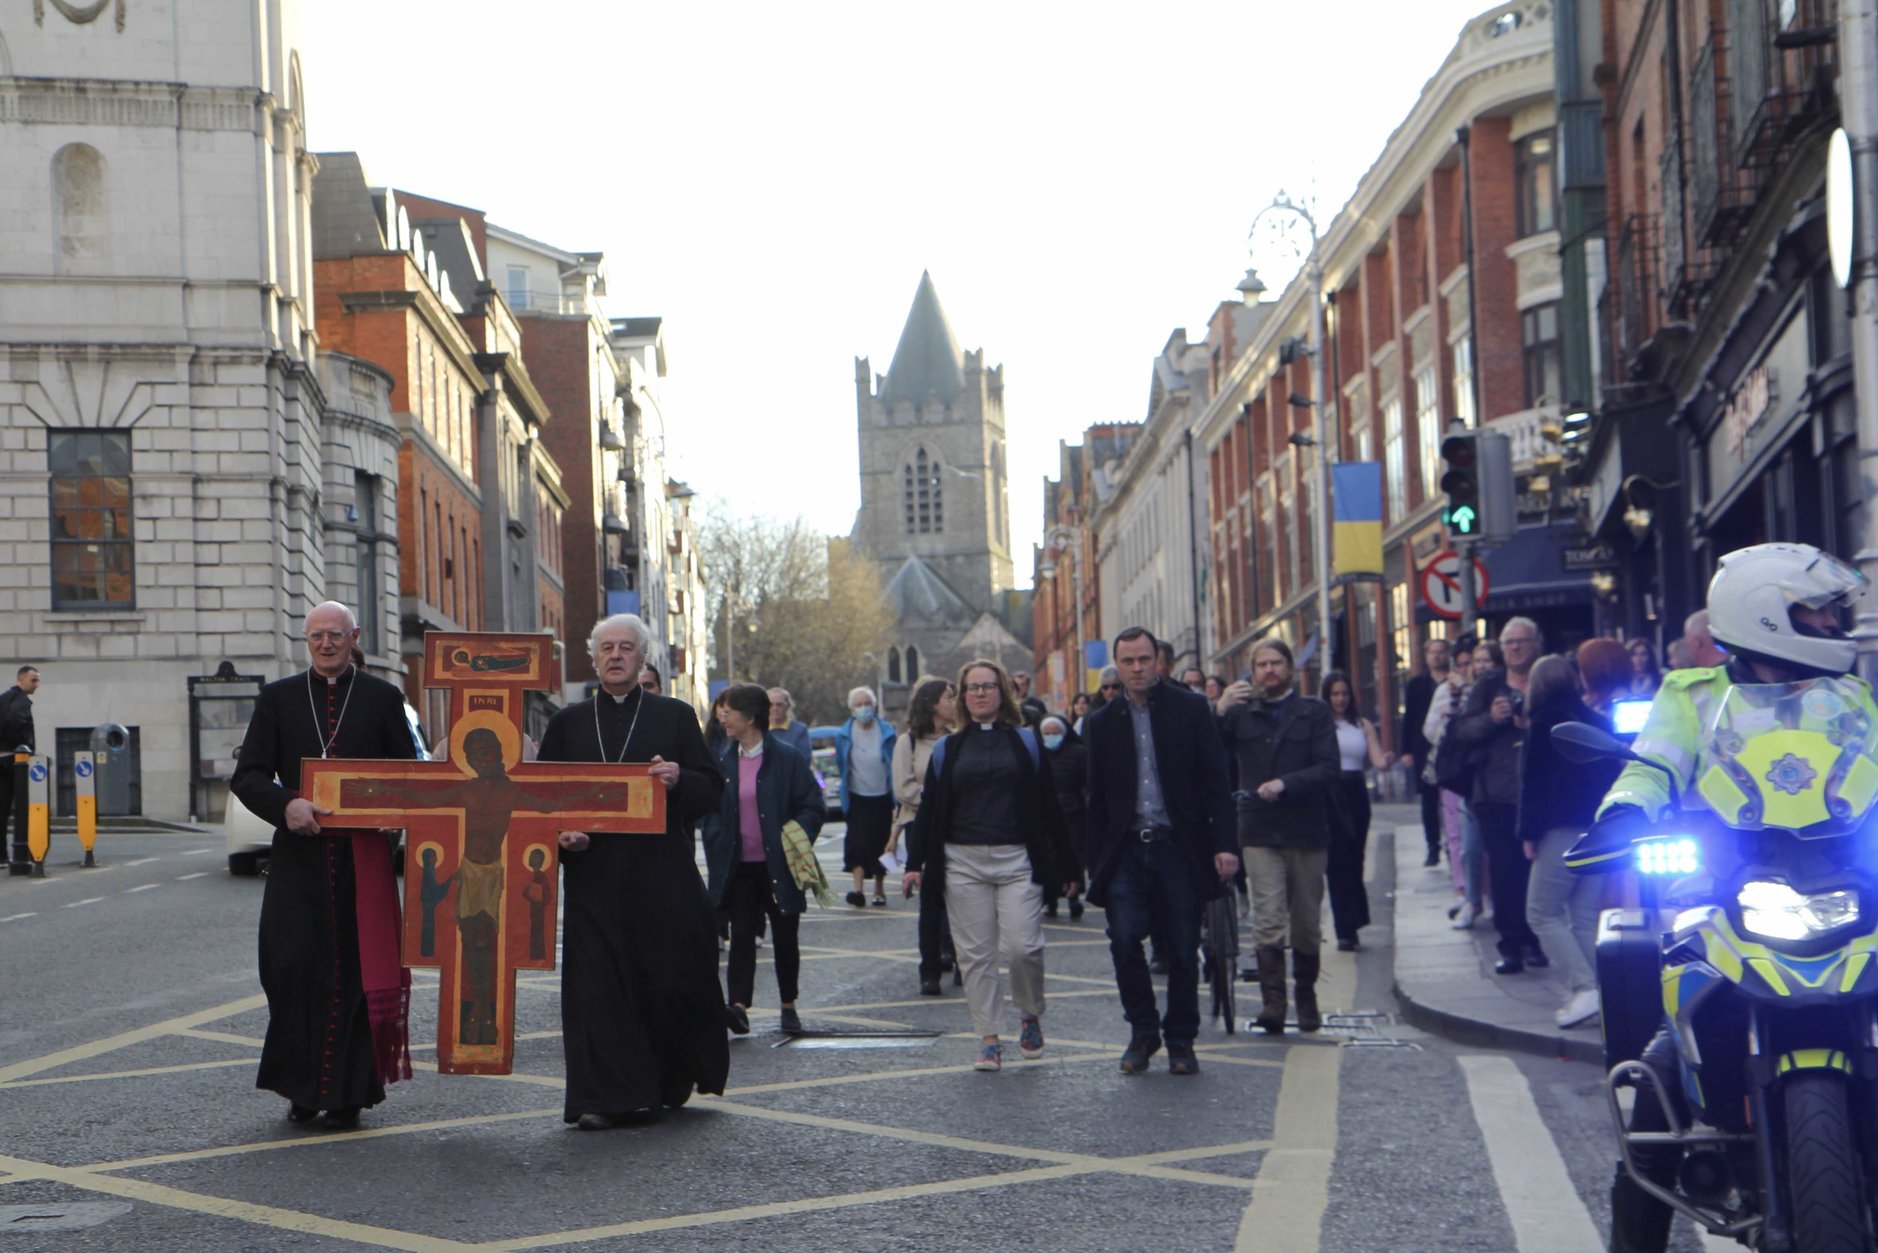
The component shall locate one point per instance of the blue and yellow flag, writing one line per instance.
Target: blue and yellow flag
(1356, 512)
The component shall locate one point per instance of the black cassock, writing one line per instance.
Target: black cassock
(319, 1050)
(642, 1012)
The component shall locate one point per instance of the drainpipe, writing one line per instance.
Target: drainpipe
(1858, 104)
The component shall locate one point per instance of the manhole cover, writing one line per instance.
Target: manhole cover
(819, 1038)
(19, 1219)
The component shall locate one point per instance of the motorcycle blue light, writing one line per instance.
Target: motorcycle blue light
(1680, 855)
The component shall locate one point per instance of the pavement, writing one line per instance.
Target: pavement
(1444, 980)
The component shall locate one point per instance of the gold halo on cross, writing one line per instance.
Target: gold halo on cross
(490, 720)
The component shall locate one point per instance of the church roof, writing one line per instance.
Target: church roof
(917, 593)
(927, 361)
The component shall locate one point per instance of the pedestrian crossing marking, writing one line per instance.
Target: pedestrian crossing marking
(1535, 1187)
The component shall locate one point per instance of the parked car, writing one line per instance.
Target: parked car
(248, 838)
(827, 772)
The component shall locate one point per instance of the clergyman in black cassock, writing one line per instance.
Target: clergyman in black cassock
(320, 1052)
(642, 1011)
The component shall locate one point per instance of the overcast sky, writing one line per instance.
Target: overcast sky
(771, 179)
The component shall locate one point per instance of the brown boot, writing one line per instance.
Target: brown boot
(1304, 980)
(1272, 987)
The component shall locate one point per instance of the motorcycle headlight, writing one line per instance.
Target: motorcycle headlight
(1676, 855)
(1778, 912)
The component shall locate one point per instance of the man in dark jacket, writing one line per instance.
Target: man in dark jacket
(1286, 747)
(1416, 697)
(1493, 723)
(16, 731)
(1160, 839)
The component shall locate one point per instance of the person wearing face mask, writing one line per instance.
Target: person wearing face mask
(864, 758)
(1069, 767)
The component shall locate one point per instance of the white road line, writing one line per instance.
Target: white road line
(1541, 1202)
(200, 852)
(142, 887)
(1286, 1214)
(197, 875)
(141, 861)
(17, 917)
(89, 900)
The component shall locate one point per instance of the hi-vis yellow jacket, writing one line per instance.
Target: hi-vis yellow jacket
(1674, 735)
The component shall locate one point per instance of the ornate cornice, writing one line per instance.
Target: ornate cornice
(106, 102)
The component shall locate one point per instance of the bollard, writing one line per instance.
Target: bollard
(19, 860)
(38, 812)
(85, 788)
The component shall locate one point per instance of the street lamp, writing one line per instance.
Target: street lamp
(735, 602)
(1320, 482)
(1059, 538)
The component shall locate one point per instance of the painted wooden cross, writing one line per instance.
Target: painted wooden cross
(481, 854)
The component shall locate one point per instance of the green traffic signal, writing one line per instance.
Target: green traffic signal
(1461, 519)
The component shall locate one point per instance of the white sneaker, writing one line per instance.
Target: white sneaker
(1582, 1008)
(1464, 921)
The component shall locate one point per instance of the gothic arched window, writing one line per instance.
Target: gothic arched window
(912, 663)
(893, 665)
(81, 219)
(923, 505)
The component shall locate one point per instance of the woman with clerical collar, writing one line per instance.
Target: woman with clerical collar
(988, 837)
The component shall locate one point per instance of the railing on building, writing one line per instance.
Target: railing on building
(1719, 197)
(1784, 71)
(1522, 430)
(1634, 311)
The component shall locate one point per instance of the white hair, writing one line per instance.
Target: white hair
(862, 691)
(1537, 634)
(631, 621)
(1697, 621)
(1045, 724)
(352, 619)
(782, 694)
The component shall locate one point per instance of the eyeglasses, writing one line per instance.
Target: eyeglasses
(979, 689)
(1511, 640)
(1111, 687)
(320, 637)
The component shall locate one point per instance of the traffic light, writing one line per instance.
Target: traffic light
(1461, 482)
(1479, 486)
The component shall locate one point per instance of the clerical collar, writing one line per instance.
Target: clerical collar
(987, 726)
(621, 700)
(334, 680)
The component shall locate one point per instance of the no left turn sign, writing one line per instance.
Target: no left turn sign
(1441, 585)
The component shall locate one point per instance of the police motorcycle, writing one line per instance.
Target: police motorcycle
(1740, 1003)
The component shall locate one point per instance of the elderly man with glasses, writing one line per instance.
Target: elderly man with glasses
(1493, 725)
(330, 965)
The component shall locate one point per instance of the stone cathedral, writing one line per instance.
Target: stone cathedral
(935, 503)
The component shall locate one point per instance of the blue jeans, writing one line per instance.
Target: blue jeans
(1152, 894)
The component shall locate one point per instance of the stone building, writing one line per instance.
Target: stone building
(157, 369)
(935, 502)
(1065, 564)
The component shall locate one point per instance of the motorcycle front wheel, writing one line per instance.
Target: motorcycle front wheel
(1823, 1182)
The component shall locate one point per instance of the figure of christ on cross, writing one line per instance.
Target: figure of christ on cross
(488, 840)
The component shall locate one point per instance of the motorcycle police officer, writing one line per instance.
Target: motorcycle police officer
(1781, 611)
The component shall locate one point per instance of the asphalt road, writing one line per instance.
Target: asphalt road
(130, 1019)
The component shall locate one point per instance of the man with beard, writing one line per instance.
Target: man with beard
(1286, 747)
(642, 1013)
(337, 992)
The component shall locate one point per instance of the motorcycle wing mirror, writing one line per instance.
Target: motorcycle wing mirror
(1583, 743)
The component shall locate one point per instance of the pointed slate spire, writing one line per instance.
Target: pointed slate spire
(927, 361)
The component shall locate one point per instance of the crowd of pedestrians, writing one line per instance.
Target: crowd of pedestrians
(1153, 796)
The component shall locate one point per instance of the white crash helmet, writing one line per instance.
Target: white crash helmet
(1752, 597)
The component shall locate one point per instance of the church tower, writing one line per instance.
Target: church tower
(933, 479)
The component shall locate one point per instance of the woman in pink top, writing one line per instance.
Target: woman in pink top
(770, 785)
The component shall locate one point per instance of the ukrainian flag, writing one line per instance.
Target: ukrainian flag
(1356, 514)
